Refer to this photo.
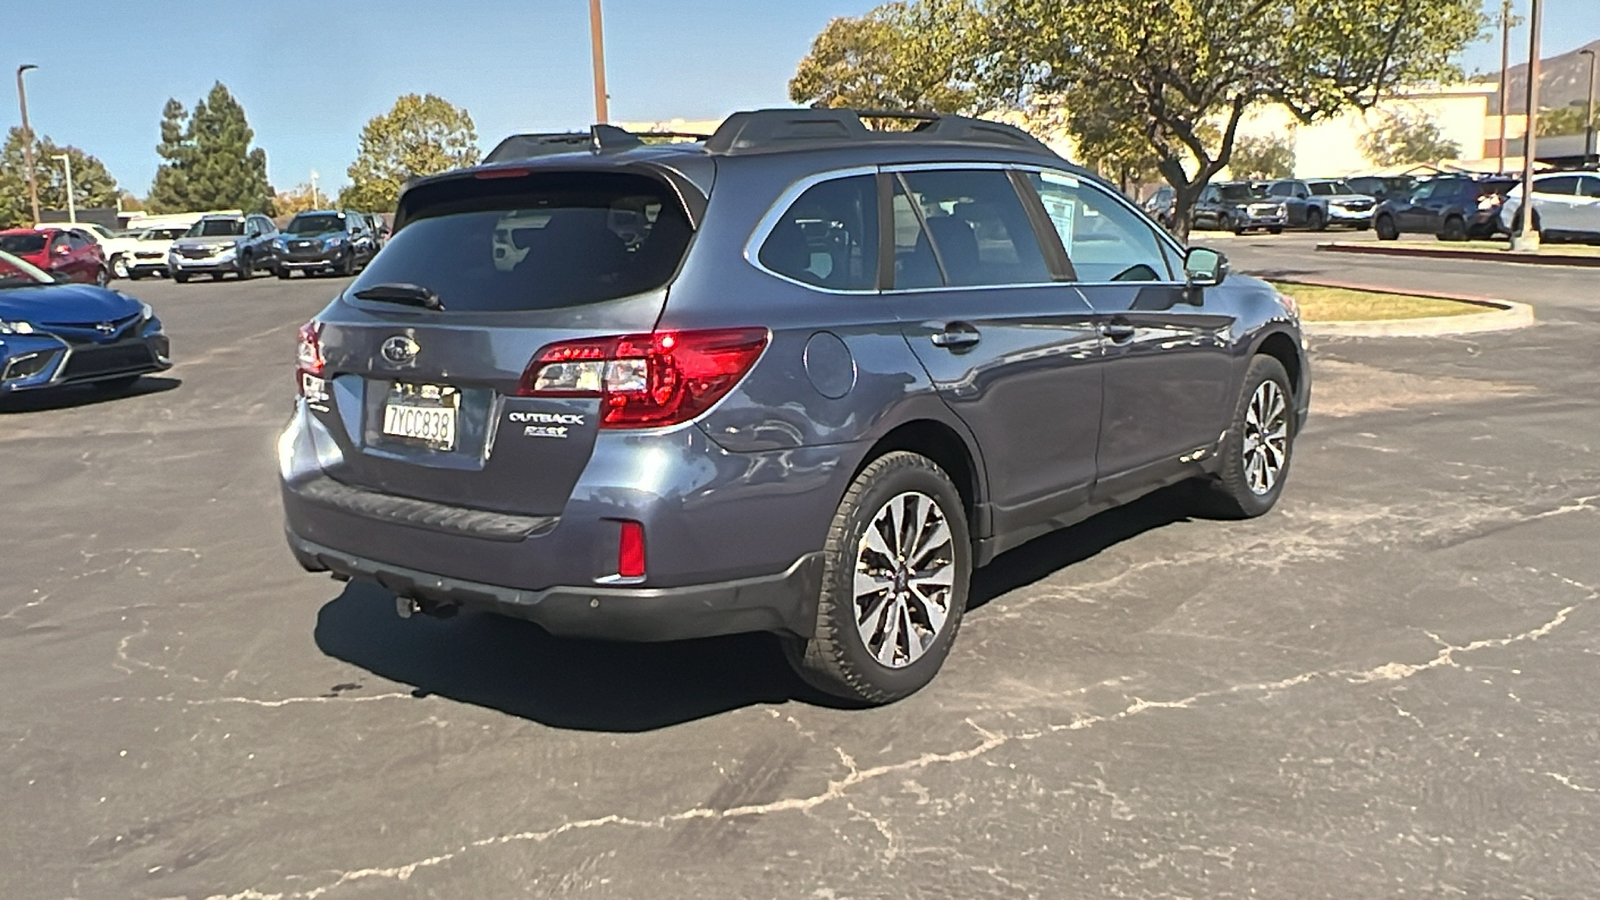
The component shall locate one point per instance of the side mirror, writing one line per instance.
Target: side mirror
(1203, 267)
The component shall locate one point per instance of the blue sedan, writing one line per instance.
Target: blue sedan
(54, 334)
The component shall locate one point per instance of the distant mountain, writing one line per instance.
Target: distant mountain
(1563, 80)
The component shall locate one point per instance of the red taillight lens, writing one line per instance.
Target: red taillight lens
(308, 361)
(630, 551)
(646, 380)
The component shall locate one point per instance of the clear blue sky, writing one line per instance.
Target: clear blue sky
(310, 74)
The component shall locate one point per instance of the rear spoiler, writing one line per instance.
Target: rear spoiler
(463, 185)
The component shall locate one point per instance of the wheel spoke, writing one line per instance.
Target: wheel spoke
(933, 540)
(868, 584)
(915, 641)
(890, 633)
(873, 540)
(933, 610)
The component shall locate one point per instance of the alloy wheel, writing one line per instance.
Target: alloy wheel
(904, 579)
(1266, 438)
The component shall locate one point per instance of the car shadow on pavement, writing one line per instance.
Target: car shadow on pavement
(518, 668)
(82, 395)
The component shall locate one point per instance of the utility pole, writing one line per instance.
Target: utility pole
(598, 46)
(314, 203)
(27, 141)
(72, 207)
(1505, 65)
(1527, 238)
(1588, 116)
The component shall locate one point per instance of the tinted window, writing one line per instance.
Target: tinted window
(1281, 189)
(914, 263)
(21, 243)
(1238, 192)
(1565, 185)
(217, 228)
(1104, 239)
(979, 229)
(540, 242)
(829, 236)
(313, 224)
(1589, 186)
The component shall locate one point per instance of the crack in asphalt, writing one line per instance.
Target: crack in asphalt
(991, 740)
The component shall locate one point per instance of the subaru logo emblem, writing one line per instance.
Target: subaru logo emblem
(105, 328)
(400, 350)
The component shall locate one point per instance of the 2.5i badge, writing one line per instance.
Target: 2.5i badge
(546, 425)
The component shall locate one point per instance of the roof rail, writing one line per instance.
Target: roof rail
(598, 139)
(771, 130)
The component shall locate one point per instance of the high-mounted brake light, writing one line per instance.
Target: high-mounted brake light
(646, 380)
(485, 174)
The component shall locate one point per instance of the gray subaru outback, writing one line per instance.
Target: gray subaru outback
(800, 376)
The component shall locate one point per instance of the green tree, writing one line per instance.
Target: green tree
(209, 161)
(899, 56)
(1164, 71)
(1262, 158)
(298, 200)
(1563, 121)
(417, 136)
(1401, 138)
(92, 184)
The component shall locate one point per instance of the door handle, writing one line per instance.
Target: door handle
(1118, 333)
(956, 336)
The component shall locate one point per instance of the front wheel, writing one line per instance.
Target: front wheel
(247, 269)
(1257, 445)
(180, 277)
(282, 272)
(1386, 229)
(1315, 221)
(898, 560)
(1276, 229)
(1454, 229)
(119, 267)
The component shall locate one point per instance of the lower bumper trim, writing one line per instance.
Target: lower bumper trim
(784, 602)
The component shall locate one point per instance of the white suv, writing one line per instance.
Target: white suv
(1565, 205)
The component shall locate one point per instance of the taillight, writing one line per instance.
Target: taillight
(309, 362)
(646, 380)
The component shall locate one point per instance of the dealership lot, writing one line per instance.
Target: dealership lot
(1383, 687)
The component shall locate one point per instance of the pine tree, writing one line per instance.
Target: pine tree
(210, 162)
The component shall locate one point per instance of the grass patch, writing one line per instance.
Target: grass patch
(1330, 304)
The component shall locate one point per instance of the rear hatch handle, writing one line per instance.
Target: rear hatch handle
(401, 292)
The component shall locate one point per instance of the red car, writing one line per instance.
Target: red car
(67, 252)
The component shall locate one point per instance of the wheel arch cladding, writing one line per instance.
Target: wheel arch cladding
(940, 443)
(1281, 347)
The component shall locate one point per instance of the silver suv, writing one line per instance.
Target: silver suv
(799, 377)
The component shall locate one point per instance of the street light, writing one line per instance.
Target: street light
(72, 208)
(1588, 117)
(1527, 239)
(27, 140)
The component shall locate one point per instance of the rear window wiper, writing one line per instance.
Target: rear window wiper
(402, 292)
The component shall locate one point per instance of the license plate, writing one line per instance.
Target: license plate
(425, 413)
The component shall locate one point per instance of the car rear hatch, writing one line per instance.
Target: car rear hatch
(420, 367)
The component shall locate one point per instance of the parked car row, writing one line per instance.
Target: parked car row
(1451, 206)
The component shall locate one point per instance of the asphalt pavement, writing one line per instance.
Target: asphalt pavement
(1385, 688)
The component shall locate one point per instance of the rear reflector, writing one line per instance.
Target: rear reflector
(646, 380)
(630, 551)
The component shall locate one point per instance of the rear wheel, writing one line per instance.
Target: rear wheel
(894, 586)
(1454, 229)
(1256, 448)
(1387, 231)
(119, 267)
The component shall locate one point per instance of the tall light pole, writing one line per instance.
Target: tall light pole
(598, 45)
(1527, 239)
(1588, 116)
(72, 207)
(1505, 65)
(27, 140)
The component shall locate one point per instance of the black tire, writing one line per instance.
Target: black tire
(180, 277)
(834, 657)
(282, 273)
(1315, 220)
(1516, 223)
(1454, 229)
(1276, 229)
(102, 277)
(246, 268)
(135, 274)
(1229, 494)
(347, 266)
(1387, 230)
(216, 276)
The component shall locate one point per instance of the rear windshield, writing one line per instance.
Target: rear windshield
(319, 224)
(217, 228)
(21, 243)
(541, 242)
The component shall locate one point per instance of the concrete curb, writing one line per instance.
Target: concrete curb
(1505, 256)
(1501, 315)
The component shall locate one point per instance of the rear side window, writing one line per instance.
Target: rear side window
(543, 241)
(21, 243)
(979, 230)
(829, 236)
(1565, 185)
(1589, 186)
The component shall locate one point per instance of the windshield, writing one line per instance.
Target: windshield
(163, 234)
(565, 240)
(315, 224)
(1239, 192)
(17, 273)
(22, 243)
(216, 228)
(1326, 188)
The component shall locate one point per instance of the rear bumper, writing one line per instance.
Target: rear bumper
(783, 602)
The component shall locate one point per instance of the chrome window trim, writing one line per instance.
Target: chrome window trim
(769, 221)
